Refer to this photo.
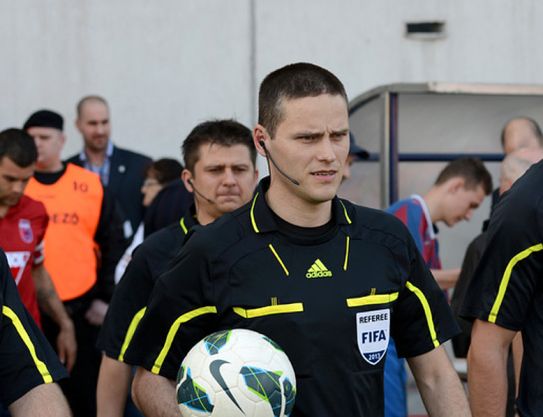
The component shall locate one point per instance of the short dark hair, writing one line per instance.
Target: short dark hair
(534, 127)
(221, 132)
(165, 170)
(472, 170)
(290, 82)
(86, 99)
(18, 146)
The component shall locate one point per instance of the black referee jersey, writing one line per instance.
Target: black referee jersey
(507, 286)
(330, 300)
(127, 306)
(26, 359)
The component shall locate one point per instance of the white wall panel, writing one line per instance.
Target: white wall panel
(164, 66)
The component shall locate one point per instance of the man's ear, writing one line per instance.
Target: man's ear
(260, 137)
(186, 177)
(455, 184)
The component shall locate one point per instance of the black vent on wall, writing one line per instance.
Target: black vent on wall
(425, 30)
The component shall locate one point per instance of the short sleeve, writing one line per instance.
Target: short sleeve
(422, 319)
(41, 227)
(508, 274)
(26, 358)
(179, 313)
(127, 306)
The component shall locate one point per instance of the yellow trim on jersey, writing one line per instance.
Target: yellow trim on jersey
(182, 224)
(130, 332)
(23, 334)
(427, 311)
(345, 213)
(372, 299)
(253, 221)
(346, 261)
(173, 331)
(507, 276)
(251, 313)
(278, 259)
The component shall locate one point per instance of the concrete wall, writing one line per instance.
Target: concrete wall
(165, 66)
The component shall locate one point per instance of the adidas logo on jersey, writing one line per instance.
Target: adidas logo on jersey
(318, 270)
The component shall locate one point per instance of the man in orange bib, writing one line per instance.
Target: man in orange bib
(82, 245)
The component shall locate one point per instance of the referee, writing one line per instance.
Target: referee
(28, 365)
(329, 281)
(506, 296)
(220, 161)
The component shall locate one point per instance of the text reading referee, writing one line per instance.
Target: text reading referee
(328, 280)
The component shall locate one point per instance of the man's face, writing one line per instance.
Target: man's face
(150, 188)
(224, 174)
(461, 203)
(13, 180)
(518, 134)
(49, 142)
(311, 145)
(93, 123)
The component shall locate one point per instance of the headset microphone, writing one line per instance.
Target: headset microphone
(209, 200)
(268, 155)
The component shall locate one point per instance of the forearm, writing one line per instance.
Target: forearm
(518, 351)
(439, 385)
(487, 373)
(48, 299)
(45, 400)
(451, 398)
(154, 394)
(112, 388)
(446, 278)
(51, 304)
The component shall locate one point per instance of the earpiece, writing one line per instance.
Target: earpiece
(283, 173)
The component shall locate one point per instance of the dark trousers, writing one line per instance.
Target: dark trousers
(80, 387)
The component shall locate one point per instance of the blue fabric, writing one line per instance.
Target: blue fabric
(395, 383)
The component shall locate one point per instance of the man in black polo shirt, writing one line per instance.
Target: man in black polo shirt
(317, 274)
(505, 296)
(220, 163)
(28, 365)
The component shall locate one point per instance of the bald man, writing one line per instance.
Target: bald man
(518, 133)
(516, 164)
(521, 132)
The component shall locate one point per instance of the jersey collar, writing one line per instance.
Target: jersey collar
(262, 216)
(188, 220)
(431, 227)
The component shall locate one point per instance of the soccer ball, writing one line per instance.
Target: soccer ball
(236, 373)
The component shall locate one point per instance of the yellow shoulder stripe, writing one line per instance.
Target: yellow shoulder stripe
(23, 334)
(173, 331)
(372, 299)
(346, 261)
(427, 311)
(278, 259)
(130, 332)
(253, 221)
(183, 226)
(345, 213)
(507, 276)
(269, 310)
